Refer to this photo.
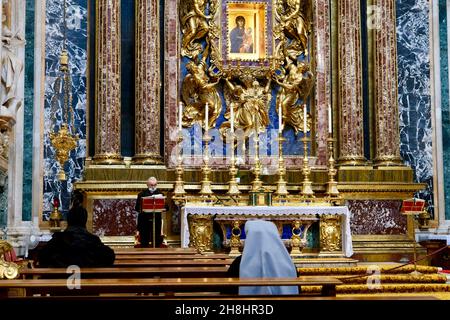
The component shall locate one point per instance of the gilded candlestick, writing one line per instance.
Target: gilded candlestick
(281, 183)
(233, 188)
(307, 191)
(179, 191)
(206, 170)
(332, 190)
(257, 183)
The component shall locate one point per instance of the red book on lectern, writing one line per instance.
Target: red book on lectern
(152, 203)
(413, 206)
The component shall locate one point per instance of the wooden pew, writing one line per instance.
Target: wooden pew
(159, 251)
(170, 256)
(128, 272)
(168, 263)
(167, 286)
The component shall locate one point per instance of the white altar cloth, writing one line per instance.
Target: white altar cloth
(269, 210)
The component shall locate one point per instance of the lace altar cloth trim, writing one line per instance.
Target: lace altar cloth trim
(269, 210)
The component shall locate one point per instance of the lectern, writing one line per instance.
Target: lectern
(413, 207)
(152, 205)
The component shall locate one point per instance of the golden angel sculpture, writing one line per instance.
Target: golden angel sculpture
(293, 15)
(194, 26)
(295, 85)
(197, 90)
(250, 105)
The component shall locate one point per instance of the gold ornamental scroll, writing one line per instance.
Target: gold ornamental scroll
(386, 94)
(107, 84)
(330, 233)
(201, 231)
(147, 108)
(351, 138)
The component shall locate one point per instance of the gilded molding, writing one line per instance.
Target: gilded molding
(107, 85)
(387, 140)
(148, 83)
(351, 137)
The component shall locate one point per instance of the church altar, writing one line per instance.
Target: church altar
(334, 222)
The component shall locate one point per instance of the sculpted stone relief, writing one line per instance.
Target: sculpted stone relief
(12, 66)
(4, 144)
(279, 58)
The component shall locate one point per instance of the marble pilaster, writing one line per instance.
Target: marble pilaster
(148, 83)
(171, 79)
(107, 87)
(14, 108)
(351, 137)
(387, 140)
(322, 40)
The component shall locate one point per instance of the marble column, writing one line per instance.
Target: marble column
(387, 134)
(323, 75)
(148, 83)
(107, 86)
(171, 79)
(351, 137)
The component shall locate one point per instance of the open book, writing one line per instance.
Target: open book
(412, 206)
(155, 202)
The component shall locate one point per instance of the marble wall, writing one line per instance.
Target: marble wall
(376, 217)
(413, 46)
(114, 217)
(443, 41)
(28, 111)
(77, 49)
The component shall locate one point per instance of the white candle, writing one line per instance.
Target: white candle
(304, 119)
(232, 118)
(206, 116)
(330, 122)
(180, 112)
(280, 120)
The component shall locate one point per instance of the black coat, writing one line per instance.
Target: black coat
(145, 193)
(75, 246)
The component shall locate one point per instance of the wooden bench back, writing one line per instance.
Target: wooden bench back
(128, 272)
(166, 286)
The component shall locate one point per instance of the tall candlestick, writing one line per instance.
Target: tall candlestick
(232, 118)
(180, 111)
(280, 119)
(330, 124)
(304, 119)
(206, 116)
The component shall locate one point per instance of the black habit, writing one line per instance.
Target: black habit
(145, 222)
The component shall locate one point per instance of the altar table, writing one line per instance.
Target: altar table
(262, 211)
